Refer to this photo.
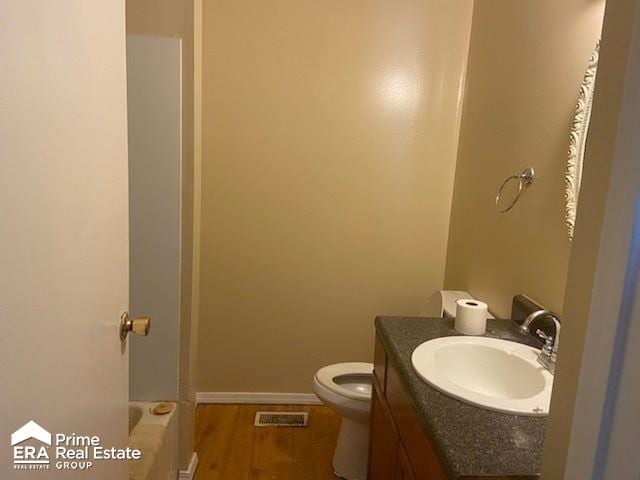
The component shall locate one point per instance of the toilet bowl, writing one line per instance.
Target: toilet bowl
(346, 389)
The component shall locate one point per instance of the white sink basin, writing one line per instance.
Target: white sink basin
(487, 372)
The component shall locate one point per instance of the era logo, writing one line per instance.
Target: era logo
(28, 456)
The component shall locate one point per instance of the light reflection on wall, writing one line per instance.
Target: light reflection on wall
(400, 89)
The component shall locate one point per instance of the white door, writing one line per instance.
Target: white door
(63, 226)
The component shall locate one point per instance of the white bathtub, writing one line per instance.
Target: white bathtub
(156, 436)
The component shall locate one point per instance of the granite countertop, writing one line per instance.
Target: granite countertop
(469, 441)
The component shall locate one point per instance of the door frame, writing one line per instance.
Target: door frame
(585, 437)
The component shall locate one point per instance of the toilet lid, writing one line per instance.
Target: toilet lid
(351, 380)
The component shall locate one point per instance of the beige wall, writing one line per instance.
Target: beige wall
(526, 62)
(329, 143)
(175, 18)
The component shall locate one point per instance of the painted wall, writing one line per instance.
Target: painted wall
(329, 144)
(526, 63)
(153, 100)
(176, 19)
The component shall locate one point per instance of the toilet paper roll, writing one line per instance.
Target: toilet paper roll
(471, 316)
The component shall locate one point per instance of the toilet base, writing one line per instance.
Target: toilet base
(352, 450)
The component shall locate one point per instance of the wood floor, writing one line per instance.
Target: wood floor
(229, 447)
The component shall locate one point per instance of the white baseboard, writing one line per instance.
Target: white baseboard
(258, 398)
(191, 471)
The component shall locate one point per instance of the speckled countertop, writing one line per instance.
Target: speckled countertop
(469, 441)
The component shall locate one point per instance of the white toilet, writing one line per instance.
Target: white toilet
(346, 389)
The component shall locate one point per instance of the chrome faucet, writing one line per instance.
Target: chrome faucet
(549, 351)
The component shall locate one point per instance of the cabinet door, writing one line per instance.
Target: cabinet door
(383, 439)
(380, 365)
(417, 446)
(403, 470)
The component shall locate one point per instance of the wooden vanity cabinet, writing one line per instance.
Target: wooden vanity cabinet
(384, 441)
(404, 470)
(398, 448)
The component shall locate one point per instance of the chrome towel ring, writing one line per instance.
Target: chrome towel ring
(524, 178)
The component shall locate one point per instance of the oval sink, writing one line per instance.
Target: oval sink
(486, 372)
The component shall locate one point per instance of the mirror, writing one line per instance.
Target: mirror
(578, 140)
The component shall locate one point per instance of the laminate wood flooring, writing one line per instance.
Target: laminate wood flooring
(230, 447)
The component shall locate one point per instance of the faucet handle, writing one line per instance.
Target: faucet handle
(548, 341)
(544, 336)
(547, 357)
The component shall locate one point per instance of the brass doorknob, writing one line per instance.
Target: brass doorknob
(139, 326)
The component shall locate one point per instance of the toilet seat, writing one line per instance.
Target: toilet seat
(328, 378)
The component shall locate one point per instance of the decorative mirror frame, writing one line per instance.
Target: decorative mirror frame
(578, 140)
